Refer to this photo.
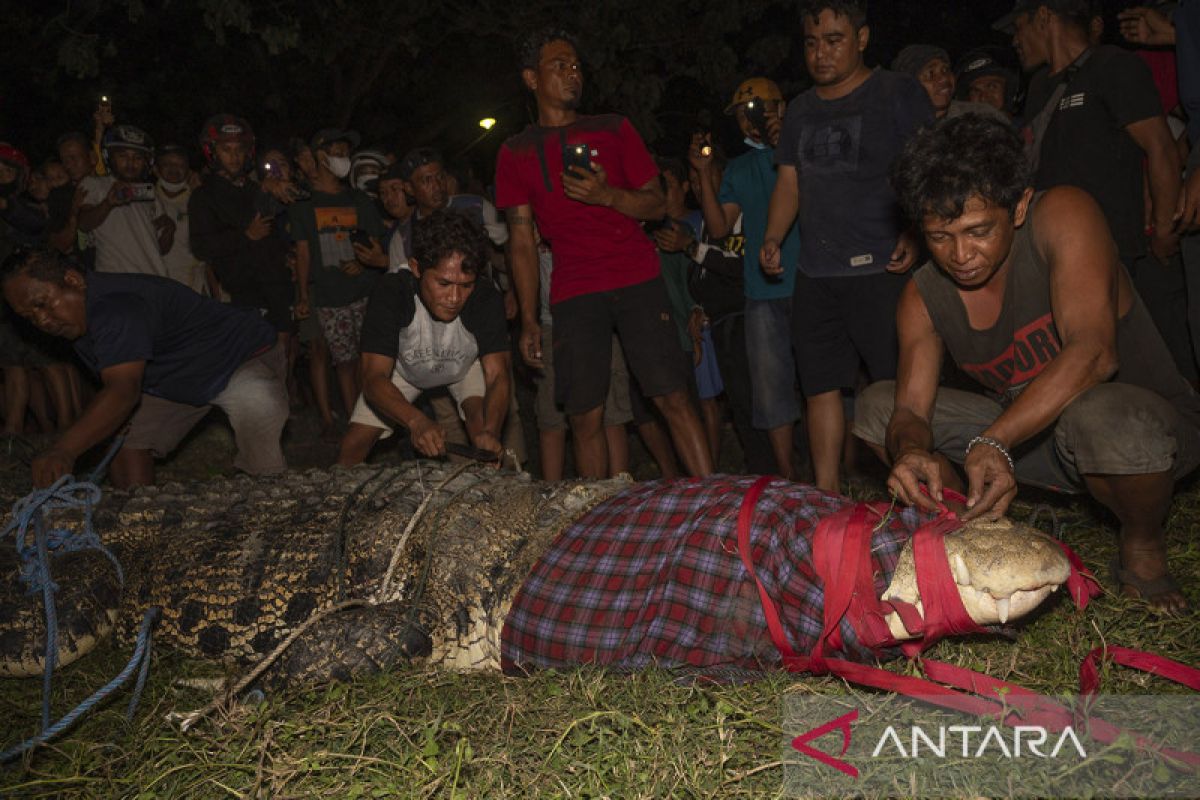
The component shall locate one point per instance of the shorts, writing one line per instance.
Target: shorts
(1111, 429)
(342, 328)
(772, 365)
(254, 399)
(838, 322)
(471, 385)
(583, 326)
(616, 406)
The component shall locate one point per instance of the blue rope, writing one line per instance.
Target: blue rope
(65, 493)
(35, 574)
(51, 617)
(138, 662)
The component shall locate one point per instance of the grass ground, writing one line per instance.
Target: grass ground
(580, 734)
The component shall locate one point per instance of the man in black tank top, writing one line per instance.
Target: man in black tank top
(1029, 298)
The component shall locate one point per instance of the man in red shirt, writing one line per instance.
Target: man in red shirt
(606, 274)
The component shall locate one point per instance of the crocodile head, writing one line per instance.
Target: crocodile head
(1003, 570)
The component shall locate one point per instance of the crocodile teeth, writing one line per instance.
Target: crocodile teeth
(1002, 609)
(962, 576)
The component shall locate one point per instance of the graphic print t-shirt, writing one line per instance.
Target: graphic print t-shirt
(326, 222)
(428, 352)
(843, 151)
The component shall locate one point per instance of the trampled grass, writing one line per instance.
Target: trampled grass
(583, 734)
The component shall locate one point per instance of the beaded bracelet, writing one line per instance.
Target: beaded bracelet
(994, 444)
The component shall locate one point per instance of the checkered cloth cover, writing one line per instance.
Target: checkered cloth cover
(652, 576)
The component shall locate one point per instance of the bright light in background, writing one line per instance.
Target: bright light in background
(487, 123)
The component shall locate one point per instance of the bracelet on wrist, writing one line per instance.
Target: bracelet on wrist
(995, 445)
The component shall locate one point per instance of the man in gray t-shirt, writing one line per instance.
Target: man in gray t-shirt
(839, 139)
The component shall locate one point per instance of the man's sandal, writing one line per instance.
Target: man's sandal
(1147, 589)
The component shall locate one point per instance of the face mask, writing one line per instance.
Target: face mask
(169, 186)
(339, 166)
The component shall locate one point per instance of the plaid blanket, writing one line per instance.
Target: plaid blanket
(652, 576)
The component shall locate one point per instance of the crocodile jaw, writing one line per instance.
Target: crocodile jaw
(1003, 570)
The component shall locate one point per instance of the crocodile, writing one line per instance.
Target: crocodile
(238, 564)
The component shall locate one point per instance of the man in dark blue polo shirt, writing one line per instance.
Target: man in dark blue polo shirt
(164, 355)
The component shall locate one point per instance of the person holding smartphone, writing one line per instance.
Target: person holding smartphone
(606, 272)
(120, 210)
(334, 273)
(743, 191)
(230, 229)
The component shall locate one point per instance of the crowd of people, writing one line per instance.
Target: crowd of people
(674, 291)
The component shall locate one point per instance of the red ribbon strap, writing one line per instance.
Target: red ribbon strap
(841, 555)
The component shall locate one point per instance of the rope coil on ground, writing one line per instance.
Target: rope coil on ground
(140, 661)
(67, 493)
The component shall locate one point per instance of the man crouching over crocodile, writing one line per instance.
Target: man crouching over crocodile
(164, 356)
(1026, 293)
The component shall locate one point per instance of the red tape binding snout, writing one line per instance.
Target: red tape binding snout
(841, 553)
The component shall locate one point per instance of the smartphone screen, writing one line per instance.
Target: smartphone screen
(577, 156)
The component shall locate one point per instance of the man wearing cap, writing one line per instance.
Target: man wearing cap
(425, 179)
(838, 142)
(1093, 117)
(338, 254)
(365, 168)
(120, 210)
(930, 65)
(980, 78)
(745, 188)
(232, 221)
(606, 272)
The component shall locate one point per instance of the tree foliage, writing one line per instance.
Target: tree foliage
(405, 72)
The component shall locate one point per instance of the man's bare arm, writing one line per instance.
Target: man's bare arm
(1163, 168)
(388, 401)
(785, 203)
(120, 392)
(593, 188)
(909, 439)
(524, 261)
(382, 394)
(1072, 236)
(485, 431)
(719, 217)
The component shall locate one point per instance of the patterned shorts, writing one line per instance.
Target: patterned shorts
(342, 327)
